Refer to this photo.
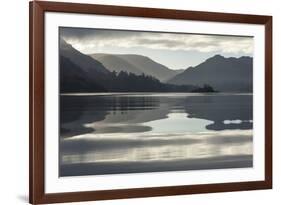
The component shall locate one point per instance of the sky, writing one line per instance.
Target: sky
(174, 50)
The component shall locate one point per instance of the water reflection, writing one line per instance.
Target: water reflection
(125, 133)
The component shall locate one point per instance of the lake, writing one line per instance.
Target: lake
(114, 133)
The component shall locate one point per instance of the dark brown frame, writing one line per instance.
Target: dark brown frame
(37, 194)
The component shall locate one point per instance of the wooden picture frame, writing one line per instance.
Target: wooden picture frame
(37, 152)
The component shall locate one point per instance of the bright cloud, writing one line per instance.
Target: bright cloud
(88, 40)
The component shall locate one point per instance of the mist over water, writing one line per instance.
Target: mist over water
(111, 133)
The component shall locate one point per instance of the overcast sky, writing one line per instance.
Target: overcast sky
(177, 51)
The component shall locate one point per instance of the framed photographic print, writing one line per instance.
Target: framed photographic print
(139, 102)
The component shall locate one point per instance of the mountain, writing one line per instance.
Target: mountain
(223, 74)
(82, 73)
(136, 64)
(74, 79)
(79, 72)
(86, 63)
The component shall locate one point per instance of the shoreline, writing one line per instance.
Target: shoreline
(150, 93)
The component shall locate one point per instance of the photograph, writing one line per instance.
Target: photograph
(133, 101)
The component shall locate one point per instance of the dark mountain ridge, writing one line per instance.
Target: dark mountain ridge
(223, 74)
(81, 73)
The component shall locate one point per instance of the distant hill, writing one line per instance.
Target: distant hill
(136, 64)
(223, 74)
(178, 71)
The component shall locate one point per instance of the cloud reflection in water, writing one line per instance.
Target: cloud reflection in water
(126, 138)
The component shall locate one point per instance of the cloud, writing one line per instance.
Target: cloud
(90, 39)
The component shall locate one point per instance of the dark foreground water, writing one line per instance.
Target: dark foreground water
(110, 133)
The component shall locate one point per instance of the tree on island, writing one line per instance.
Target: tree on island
(205, 89)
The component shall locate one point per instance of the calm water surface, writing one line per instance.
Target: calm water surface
(110, 133)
